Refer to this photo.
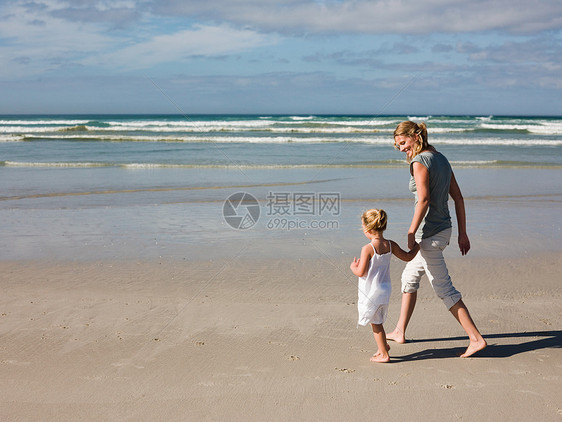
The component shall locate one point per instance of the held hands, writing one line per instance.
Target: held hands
(464, 243)
(412, 241)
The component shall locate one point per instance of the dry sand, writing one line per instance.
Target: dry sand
(271, 340)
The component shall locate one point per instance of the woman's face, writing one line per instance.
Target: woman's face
(405, 143)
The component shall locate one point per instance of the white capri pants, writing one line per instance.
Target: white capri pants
(430, 261)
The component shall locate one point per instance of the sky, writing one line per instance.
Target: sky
(374, 57)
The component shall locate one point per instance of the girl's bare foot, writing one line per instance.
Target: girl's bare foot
(380, 358)
(379, 352)
(397, 336)
(473, 347)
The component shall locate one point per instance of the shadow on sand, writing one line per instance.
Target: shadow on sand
(541, 340)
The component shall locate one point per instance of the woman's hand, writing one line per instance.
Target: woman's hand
(464, 243)
(455, 192)
(411, 240)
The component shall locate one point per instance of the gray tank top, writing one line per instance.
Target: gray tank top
(437, 218)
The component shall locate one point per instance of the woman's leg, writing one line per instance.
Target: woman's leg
(411, 276)
(477, 342)
(436, 268)
(438, 274)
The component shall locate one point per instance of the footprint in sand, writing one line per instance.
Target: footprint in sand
(347, 371)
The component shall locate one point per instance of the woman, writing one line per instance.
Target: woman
(432, 181)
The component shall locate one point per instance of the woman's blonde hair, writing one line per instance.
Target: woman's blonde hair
(417, 131)
(374, 219)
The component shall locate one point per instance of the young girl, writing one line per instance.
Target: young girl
(373, 270)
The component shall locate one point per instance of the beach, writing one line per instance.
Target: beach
(270, 339)
(131, 292)
(133, 324)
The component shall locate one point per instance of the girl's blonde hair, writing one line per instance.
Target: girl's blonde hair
(417, 131)
(374, 219)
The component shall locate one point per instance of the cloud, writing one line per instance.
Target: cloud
(373, 58)
(533, 63)
(201, 40)
(119, 17)
(43, 37)
(324, 52)
(441, 48)
(530, 51)
(33, 41)
(346, 57)
(81, 10)
(374, 17)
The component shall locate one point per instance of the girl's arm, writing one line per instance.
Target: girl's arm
(400, 253)
(455, 192)
(421, 176)
(359, 267)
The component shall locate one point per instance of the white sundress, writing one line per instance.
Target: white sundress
(374, 290)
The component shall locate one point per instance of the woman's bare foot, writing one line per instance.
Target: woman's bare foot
(397, 336)
(473, 347)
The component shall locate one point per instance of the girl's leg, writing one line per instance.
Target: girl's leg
(477, 342)
(382, 355)
(406, 311)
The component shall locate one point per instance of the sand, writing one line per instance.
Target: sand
(271, 339)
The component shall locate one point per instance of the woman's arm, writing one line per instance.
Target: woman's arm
(455, 192)
(359, 267)
(421, 176)
(400, 253)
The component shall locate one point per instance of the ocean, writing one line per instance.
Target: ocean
(91, 186)
(148, 141)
